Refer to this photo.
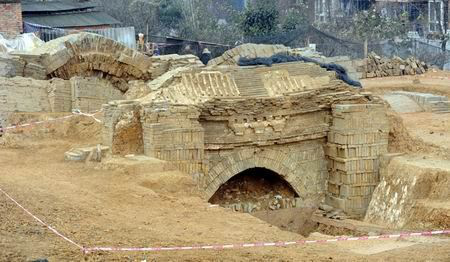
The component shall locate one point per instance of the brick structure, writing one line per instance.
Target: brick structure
(19, 94)
(358, 136)
(215, 123)
(322, 136)
(10, 17)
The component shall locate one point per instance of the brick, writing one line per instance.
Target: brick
(356, 151)
(357, 137)
(356, 165)
(11, 19)
(341, 177)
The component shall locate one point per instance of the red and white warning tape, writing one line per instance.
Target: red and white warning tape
(74, 114)
(265, 244)
(225, 246)
(42, 222)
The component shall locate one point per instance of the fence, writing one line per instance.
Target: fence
(123, 35)
(330, 45)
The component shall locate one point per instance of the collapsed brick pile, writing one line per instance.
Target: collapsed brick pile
(381, 67)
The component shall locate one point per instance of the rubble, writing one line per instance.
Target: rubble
(265, 204)
(382, 67)
(93, 154)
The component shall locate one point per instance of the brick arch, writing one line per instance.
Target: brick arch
(87, 54)
(275, 160)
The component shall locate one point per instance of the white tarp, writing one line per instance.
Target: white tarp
(23, 43)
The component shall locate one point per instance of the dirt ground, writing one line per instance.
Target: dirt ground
(417, 133)
(106, 205)
(436, 82)
(431, 128)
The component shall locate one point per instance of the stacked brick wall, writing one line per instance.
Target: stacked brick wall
(10, 17)
(358, 136)
(19, 94)
(173, 133)
(25, 65)
(23, 95)
(90, 93)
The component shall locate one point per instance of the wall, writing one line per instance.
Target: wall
(358, 136)
(122, 128)
(27, 65)
(90, 93)
(24, 95)
(10, 17)
(322, 151)
(21, 94)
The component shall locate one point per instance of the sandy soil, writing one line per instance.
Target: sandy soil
(431, 128)
(437, 82)
(97, 205)
(417, 133)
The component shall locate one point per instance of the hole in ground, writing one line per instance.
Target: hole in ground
(267, 196)
(255, 189)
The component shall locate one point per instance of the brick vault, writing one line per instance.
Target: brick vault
(296, 119)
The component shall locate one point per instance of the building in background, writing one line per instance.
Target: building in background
(425, 16)
(438, 15)
(66, 14)
(10, 17)
(325, 10)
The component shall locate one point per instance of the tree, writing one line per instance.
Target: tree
(200, 21)
(371, 25)
(169, 14)
(191, 19)
(260, 19)
(143, 14)
(294, 19)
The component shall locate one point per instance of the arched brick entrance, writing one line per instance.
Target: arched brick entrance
(303, 170)
(87, 54)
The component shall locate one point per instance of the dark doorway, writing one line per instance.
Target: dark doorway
(267, 196)
(254, 190)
